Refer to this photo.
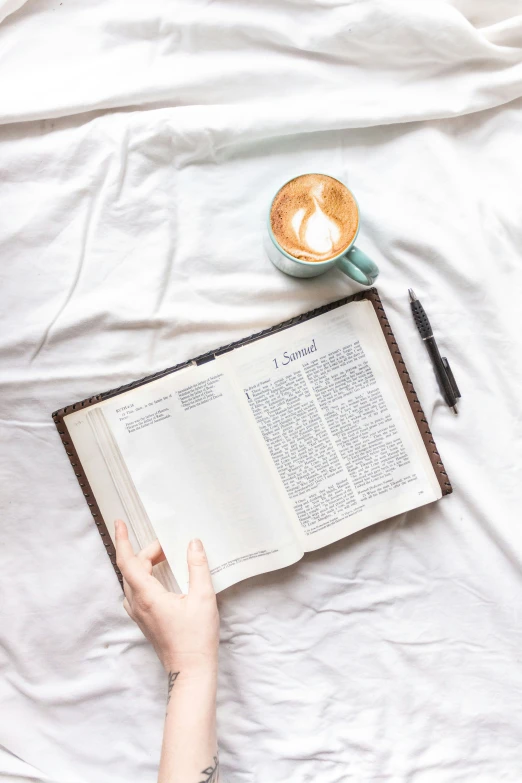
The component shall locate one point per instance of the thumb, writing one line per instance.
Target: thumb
(200, 581)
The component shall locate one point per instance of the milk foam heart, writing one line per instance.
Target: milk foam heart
(314, 217)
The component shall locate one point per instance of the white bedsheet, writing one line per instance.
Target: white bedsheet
(140, 145)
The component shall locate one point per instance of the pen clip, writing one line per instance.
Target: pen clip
(451, 377)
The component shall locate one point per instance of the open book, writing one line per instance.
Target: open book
(265, 449)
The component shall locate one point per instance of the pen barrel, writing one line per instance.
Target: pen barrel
(421, 319)
(440, 371)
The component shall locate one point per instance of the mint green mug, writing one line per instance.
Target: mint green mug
(352, 261)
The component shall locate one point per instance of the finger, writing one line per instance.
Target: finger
(200, 581)
(127, 589)
(152, 554)
(124, 548)
(126, 606)
(125, 558)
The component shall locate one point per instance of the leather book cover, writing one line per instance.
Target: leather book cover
(371, 294)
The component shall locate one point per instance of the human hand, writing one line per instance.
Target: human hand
(183, 629)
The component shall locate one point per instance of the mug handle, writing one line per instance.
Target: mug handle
(358, 266)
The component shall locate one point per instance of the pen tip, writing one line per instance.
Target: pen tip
(412, 294)
(454, 409)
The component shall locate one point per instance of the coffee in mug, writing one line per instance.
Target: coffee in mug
(314, 217)
(313, 223)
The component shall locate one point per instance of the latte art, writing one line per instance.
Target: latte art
(317, 231)
(314, 217)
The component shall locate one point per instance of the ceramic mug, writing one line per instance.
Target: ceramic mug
(352, 261)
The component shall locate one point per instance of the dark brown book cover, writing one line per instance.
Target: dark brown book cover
(370, 294)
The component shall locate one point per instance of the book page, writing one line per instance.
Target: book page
(191, 453)
(111, 501)
(336, 422)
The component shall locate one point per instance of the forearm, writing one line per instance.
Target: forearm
(189, 753)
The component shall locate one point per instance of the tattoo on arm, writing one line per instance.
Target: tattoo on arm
(211, 773)
(172, 679)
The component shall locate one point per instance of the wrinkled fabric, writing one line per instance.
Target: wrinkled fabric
(140, 145)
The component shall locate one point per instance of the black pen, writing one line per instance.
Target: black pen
(448, 387)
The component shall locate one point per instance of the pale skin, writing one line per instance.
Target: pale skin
(184, 631)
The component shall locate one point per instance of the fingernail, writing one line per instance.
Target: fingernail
(196, 545)
(116, 524)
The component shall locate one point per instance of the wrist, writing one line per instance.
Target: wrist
(190, 686)
(191, 666)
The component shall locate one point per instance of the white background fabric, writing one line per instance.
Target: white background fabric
(140, 146)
